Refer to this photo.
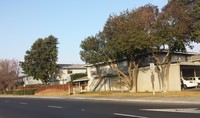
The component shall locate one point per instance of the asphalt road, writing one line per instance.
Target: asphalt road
(69, 108)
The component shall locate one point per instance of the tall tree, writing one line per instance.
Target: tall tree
(91, 51)
(9, 71)
(173, 31)
(127, 36)
(122, 38)
(40, 60)
(194, 5)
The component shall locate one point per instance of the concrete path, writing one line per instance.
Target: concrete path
(179, 100)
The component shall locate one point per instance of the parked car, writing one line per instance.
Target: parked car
(198, 81)
(188, 82)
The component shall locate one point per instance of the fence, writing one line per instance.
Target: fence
(53, 88)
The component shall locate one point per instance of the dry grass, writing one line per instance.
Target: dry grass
(57, 92)
(147, 94)
(167, 94)
(52, 93)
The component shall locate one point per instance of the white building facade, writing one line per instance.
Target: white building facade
(69, 69)
(182, 65)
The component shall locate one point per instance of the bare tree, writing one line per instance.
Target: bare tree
(9, 71)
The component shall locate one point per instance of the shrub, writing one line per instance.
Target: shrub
(77, 76)
(24, 92)
(9, 92)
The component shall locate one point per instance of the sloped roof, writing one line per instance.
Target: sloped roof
(72, 66)
(82, 79)
(195, 58)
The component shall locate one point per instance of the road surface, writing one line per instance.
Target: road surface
(69, 108)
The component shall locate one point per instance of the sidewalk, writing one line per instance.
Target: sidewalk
(178, 100)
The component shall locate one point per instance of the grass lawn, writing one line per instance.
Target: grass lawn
(146, 94)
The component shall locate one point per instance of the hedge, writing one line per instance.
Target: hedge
(21, 92)
(24, 92)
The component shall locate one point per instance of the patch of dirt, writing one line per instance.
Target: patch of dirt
(52, 93)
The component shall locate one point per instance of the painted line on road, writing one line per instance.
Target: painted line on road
(178, 110)
(56, 107)
(128, 115)
(23, 103)
(6, 101)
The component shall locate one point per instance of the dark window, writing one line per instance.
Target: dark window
(188, 72)
(198, 72)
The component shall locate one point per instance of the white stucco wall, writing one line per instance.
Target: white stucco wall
(174, 78)
(145, 79)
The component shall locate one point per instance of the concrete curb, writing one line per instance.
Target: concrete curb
(145, 100)
(170, 100)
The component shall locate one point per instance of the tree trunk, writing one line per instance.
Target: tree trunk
(165, 76)
(164, 82)
(135, 76)
(163, 65)
(130, 79)
(122, 75)
(152, 82)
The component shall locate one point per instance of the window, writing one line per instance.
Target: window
(187, 72)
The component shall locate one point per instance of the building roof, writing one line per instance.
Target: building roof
(195, 54)
(82, 79)
(195, 58)
(189, 64)
(72, 66)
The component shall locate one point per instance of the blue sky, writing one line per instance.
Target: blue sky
(22, 22)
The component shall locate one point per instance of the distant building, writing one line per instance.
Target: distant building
(66, 70)
(25, 79)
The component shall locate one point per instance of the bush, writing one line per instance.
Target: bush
(1, 92)
(24, 92)
(9, 92)
(77, 76)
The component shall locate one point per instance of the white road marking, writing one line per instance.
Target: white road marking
(128, 115)
(23, 103)
(6, 101)
(57, 107)
(179, 110)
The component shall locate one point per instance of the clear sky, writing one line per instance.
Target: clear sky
(22, 22)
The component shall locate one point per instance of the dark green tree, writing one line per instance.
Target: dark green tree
(195, 6)
(92, 48)
(173, 31)
(122, 38)
(127, 37)
(92, 53)
(132, 34)
(40, 60)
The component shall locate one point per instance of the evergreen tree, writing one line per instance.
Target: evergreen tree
(40, 60)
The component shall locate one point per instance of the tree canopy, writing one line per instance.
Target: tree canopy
(40, 60)
(173, 31)
(132, 34)
(122, 38)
